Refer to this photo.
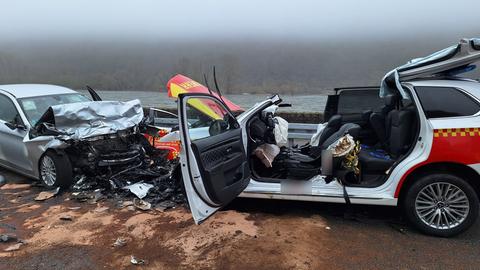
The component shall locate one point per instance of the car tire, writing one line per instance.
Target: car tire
(441, 204)
(55, 170)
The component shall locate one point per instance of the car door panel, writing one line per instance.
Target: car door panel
(13, 152)
(215, 169)
(223, 164)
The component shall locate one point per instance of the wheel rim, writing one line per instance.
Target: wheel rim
(47, 171)
(442, 205)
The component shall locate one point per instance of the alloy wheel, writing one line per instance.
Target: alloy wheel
(48, 171)
(442, 205)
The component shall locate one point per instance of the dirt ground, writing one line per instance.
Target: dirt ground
(249, 234)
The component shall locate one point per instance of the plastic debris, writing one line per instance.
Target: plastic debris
(142, 205)
(14, 247)
(45, 195)
(139, 189)
(101, 209)
(74, 208)
(162, 206)
(66, 217)
(136, 261)
(7, 237)
(120, 242)
(127, 203)
(152, 181)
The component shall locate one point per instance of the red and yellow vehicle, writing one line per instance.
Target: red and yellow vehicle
(177, 85)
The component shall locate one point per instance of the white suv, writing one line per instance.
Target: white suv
(419, 147)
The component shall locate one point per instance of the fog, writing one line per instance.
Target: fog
(257, 46)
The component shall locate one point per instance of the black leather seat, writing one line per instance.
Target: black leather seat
(399, 128)
(379, 120)
(333, 126)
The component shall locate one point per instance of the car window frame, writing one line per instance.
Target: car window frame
(359, 89)
(466, 93)
(234, 125)
(12, 101)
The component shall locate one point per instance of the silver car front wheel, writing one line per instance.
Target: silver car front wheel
(55, 169)
(48, 171)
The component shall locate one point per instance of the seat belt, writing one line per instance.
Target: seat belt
(345, 195)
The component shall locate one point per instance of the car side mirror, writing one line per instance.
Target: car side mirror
(17, 123)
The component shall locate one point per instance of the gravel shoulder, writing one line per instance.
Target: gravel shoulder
(61, 233)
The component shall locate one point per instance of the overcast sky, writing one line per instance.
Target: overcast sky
(293, 19)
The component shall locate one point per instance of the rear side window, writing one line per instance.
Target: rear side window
(8, 112)
(357, 101)
(445, 102)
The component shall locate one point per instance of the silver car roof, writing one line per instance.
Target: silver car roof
(35, 90)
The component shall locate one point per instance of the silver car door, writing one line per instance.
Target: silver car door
(13, 132)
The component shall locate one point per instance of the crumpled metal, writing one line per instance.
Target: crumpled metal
(88, 119)
(465, 50)
(139, 189)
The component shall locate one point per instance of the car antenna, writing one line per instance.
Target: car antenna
(206, 83)
(216, 84)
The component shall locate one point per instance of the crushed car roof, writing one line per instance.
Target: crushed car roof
(453, 60)
(35, 90)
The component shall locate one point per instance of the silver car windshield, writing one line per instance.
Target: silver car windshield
(35, 107)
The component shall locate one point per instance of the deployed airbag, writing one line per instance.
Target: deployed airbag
(281, 131)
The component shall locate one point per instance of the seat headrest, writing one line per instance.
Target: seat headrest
(391, 100)
(335, 121)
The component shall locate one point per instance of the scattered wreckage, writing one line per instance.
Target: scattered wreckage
(64, 139)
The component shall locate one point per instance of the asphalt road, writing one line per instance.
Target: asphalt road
(248, 234)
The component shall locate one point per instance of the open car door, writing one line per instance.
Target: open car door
(214, 165)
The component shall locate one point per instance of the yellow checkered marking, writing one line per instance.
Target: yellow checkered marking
(456, 132)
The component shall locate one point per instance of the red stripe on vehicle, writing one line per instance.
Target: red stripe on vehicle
(457, 145)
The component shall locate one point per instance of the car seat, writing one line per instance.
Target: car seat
(379, 120)
(399, 126)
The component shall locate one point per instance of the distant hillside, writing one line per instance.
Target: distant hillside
(243, 67)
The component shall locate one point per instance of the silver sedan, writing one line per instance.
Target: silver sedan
(22, 105)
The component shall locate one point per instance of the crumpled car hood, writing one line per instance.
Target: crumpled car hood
(87, 119)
